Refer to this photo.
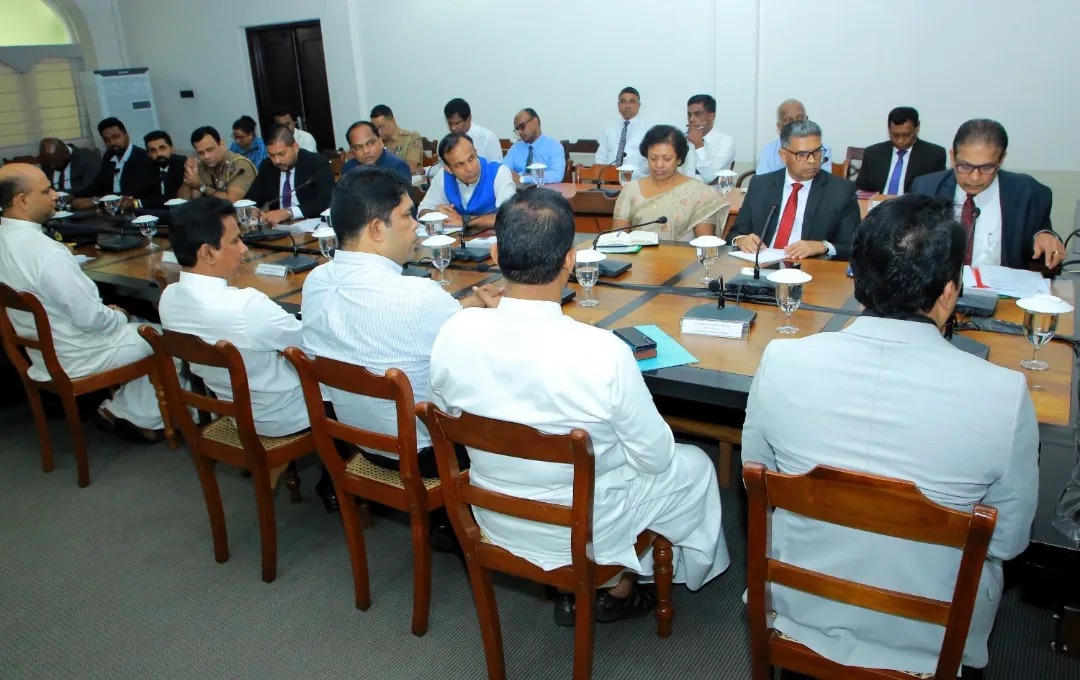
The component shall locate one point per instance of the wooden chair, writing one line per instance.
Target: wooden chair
(336, 163)
(741, 178)
(505, 144)
(230, 439)
(359, 478)
(851, 169)
(582, 576)
(607, 173)
(870, 503)
(60, 384)
(582, 146)
(726, 437)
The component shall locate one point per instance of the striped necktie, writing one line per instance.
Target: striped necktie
(621, 153)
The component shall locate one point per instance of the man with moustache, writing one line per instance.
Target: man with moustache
(125, 170)
(470, 188)
(170, 165)
(297, 183)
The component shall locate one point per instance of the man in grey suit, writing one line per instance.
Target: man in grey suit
(69, 168)
(889, 396)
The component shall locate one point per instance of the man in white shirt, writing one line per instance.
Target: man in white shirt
(469, 188)
(360, 309)
(459, 120)
(713, 150)
(770, 160)
(532, 371)
(305, 139)
(620, 141)
(89, 336)
(888, 395)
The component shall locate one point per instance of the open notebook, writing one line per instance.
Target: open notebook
(634, 238)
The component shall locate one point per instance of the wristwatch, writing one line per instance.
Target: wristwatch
(202, 189)
(828, 247)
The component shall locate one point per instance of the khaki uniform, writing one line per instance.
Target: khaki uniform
(228, 175)
(406, 146)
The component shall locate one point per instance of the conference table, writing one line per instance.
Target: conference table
(661, 286)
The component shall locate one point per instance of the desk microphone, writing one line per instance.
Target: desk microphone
(755, 283)
(474, 255)
(599, 181)
(262, 234)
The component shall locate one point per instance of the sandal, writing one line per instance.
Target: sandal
(640, 601)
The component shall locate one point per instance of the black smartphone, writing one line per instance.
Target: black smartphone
(642, 345)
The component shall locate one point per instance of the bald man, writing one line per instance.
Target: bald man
(90, 336)
(68, 167)
(534, 147)
(790, 110)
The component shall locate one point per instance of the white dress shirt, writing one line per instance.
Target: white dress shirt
(986, 248)
(306, 140)
(532, 372)
(360, 309)
(206, 306)
(903, 170)
(295, 207)
(609, 142)
(716, 154)
(88, 336)
(485, 142)
(119, 162)
(800, 210)
(436, 195)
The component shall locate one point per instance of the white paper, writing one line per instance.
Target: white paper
(83, 259)
(169, 257)
(766, 256)
(476, 242)
(998, 280)
(302, 227)
(634, 238)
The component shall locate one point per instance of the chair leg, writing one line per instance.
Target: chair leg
(584, 631)
(421, 546)
(204, 467)
(663, 571)
(724, 458)
(354, 539)
(78, 439)
(264, 501)
(166, 417)
(487, 611)
(292, 483)
(33, 395)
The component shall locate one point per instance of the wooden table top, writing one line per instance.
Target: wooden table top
(725, 367)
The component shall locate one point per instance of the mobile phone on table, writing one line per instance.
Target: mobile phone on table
(642, 345)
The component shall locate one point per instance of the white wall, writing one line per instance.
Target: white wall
(103, 23)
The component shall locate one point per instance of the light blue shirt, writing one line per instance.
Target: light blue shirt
(546, 150)
(769, 160)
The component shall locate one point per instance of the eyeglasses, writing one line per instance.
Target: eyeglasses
(984, 169)
(520, 127)
(806, 155)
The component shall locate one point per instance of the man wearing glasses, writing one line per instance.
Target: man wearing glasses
(770, 160)
(532, 147)
(801, 208)
(1006, 214)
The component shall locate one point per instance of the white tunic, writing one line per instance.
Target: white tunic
(209, 308)
(533, 371)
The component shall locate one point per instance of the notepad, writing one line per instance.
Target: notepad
(1005, 281)
(300, 227)
(766, 256)
(669, 353)
(634, 238)
(83, 259)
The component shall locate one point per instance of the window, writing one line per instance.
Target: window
(31, 22)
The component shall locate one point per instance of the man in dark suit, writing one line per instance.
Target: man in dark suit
(70, 168)
(890, 167)
(816, 213)
(126, 170)
(170, 166)
(1006, 214)
(298, 183)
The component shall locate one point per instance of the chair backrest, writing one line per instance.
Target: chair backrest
(14, 344)
(516, 441)
(739, 181)
(393, 386)
(879, 505)
(169, 345)
(505, 144)
(583, 146)
(607, 173)
(336, 163)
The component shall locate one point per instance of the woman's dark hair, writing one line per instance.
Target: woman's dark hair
(245, 124)
(665, 134)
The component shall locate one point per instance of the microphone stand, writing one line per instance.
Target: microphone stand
(262, 234)
(475, 254)
(297, 263)
(755, 283)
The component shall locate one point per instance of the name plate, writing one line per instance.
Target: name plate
(272, 270)
(169, 257)
(737, 330)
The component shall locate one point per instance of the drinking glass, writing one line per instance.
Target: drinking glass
(788, 297)
(537, 172)
(725, 181)
(148, 228)
(433, 223)
(111, 204)
(626, 173)
(327, 242)
(1039, 328)
(63, 199)
(440, 257)
(706, 256)
(587, 273)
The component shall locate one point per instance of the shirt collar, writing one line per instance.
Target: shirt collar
(201, 280)
(530, 308)
(120, 160)
(788, 180)
(895, 330)
(12, 223)
(354, 258)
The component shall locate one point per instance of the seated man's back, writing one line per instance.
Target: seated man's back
(892, 397)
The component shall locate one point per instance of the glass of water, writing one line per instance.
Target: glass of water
(148, 228)
(626, 173)
(327, 241)
(708, 249)
(111, 203)
(537, 172)
(789, 292)
(440, 257)
(587, 270)
(1040, 322)
(433, 223)
(725, 181)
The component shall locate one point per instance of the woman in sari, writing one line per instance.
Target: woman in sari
(691, 208)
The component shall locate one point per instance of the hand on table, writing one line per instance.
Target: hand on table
(1049, 247)
(750, 243)
(454, 218)
(803, 249)
(275, 217)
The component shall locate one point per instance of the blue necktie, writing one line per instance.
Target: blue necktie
(894, 181)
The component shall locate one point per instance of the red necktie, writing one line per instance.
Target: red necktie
(967, 218)
(787, 220)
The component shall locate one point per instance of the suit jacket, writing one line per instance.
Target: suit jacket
(892, 398)
(136, 179)
(82, 169)
(311, 199)
(1025, 210)
(831, 214)
(173, 181)
(924, 159)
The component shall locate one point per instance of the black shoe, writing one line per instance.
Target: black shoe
(641, 601)
(127, 430)
(442, 538)
(564, 610)
(325, 490)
